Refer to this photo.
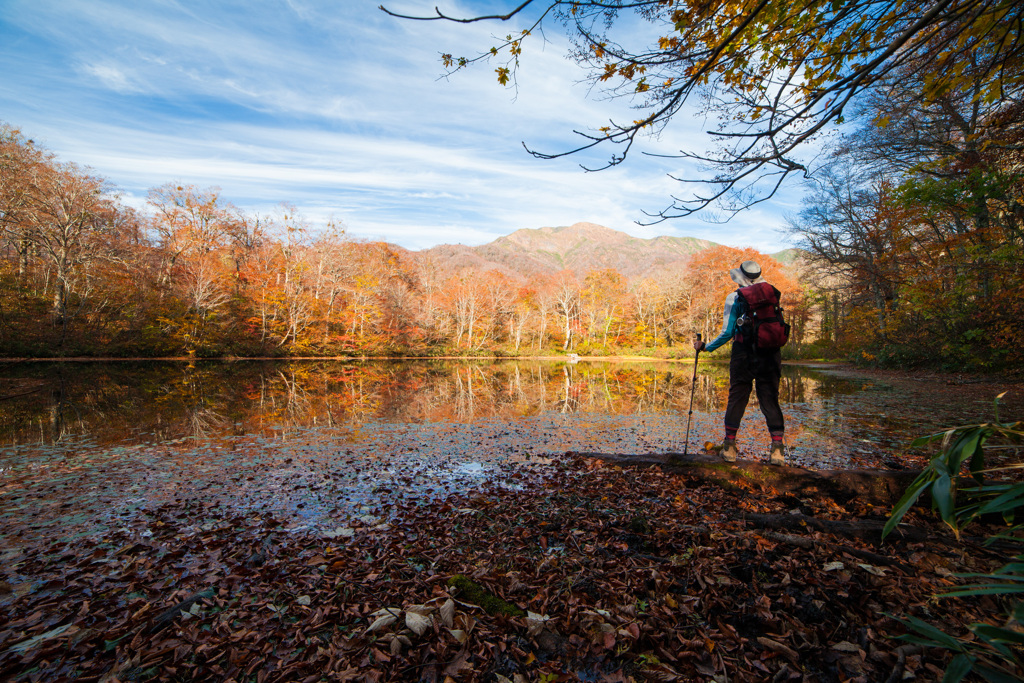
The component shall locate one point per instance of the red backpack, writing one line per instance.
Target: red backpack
(764, 328)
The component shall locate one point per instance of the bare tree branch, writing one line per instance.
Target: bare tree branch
(469, 20)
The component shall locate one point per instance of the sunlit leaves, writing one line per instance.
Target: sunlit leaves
(776, 73)
(924, 201)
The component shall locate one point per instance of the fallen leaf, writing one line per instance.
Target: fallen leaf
(535, 622)
(775, 646)
(417, 623)
(465, 622)
(383, 621)
(340, 532)
(457, 665)
(448, 613)
(423, 610)
(877, 571)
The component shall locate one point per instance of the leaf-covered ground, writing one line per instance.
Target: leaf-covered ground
(588, 571)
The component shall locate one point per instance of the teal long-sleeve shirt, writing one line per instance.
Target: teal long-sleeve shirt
(734, 308)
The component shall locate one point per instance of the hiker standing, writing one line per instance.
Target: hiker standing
(753, 321)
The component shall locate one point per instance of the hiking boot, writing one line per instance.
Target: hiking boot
(777, 456)
(729, 451)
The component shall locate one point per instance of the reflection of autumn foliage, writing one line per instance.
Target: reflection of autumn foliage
(175, 400)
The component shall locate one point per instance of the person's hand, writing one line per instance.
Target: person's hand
(698, 345)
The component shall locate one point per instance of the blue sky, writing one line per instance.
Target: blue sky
(336, 108)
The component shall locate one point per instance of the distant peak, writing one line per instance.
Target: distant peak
(582, 229)
(585, 229)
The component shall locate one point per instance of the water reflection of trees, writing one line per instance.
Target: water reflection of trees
(166, 401)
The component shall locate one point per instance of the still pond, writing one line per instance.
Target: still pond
(85, 445)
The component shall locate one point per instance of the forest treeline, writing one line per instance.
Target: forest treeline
(912, 233)
(84, 274)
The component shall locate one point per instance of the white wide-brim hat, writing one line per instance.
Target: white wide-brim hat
(749, 273)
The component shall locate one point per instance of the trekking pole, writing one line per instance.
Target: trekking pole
(686, 444)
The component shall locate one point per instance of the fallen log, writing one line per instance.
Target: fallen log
(877, 487)
(863, 530)
(870, 531)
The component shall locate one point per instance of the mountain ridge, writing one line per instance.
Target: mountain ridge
(581, 247)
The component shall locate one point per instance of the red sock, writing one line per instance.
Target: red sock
(776, 438)
(730, 433)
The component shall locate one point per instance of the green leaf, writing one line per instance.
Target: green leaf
(978, 464)
(1004, 573)
(925, 440)
(958, 668)
(913, 492)
(1006, 537)
(920, 640)
(1008, 572)
(943, 498)
(1005, 635)
(940, 637)
(993, 676)
(1010, 500)
(995, 404)
(966, 447)
(988, 589)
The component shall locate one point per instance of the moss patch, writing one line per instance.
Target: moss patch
(471, 591)
(640, 525)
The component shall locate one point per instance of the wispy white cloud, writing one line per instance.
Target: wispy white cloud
(338, 109)
(112, 77)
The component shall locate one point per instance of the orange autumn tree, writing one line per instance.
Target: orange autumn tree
(709, 274)
(67, 248)
(191, 230)
(604, 292)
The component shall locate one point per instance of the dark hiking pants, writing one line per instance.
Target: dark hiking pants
(748, 368)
